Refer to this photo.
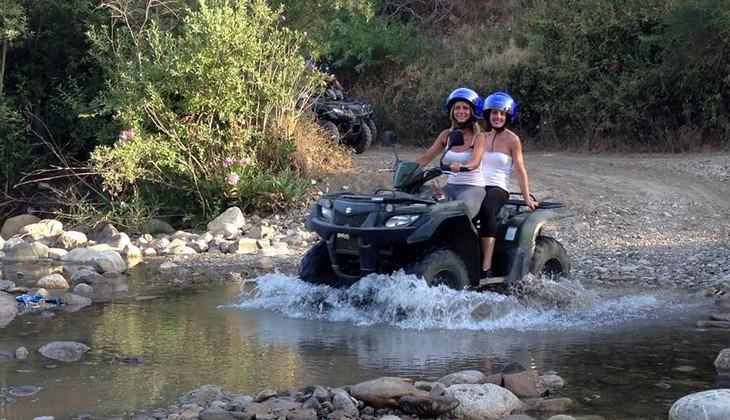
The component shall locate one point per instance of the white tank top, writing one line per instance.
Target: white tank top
(496, 168)
(473, 177)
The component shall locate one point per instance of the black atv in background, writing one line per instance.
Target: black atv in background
(408, 228)
(346, 120)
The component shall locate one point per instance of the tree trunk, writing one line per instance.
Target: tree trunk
(2, 67)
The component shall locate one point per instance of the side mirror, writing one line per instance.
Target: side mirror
(456, 138)
(389, 138)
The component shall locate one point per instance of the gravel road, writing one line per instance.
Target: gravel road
(640, 220)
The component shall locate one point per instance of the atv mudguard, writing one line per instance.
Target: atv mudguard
(518, 236)
(449, 226)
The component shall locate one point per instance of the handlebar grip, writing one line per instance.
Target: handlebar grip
(464, 169)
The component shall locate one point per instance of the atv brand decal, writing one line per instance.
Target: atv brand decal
(348, 210)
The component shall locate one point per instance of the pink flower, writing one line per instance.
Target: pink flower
(127, 134)
(233, 178)
(227, 162)
(244, 161)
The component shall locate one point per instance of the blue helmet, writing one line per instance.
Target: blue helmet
(501, 101)
(466, 95)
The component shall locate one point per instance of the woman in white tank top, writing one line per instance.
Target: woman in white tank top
(502, 153)
(463, 106)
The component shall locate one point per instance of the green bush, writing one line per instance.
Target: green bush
(223, 85)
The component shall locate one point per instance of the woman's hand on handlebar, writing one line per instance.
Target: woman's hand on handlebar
(456, 167)
(531, 202)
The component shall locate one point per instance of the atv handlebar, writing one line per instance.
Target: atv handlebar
(447, 169)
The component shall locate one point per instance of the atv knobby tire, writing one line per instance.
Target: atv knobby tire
(330, 130)
(316, 266)
(364, 140)
(550, 258)
(441, 266)
(373, 129)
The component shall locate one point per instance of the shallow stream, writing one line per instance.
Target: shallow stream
(626, 356)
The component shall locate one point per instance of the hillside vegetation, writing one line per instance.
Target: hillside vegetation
(127, 109)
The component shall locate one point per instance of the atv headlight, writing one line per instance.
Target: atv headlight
(401, 220)
(325, 208)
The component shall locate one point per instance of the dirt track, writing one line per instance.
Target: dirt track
(641, 220)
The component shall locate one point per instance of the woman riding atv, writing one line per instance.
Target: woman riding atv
(463, 107)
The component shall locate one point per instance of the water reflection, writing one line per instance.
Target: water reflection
(192, 338)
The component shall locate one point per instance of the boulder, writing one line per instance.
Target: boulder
(722, 362)
(83, 289)
(108, 262)
(64, 351)
(12, 226)
(71, 239)
(243, 246)
(232, 216)
(555, 405)
(463, 377)
(549, 383)
(707, 405)
(384, 391)
(53, 281)
(41, 229)
(482, 401)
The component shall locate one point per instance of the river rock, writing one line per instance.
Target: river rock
(108, 262)
(463, 377)
(384, 391)
(707, 405)
(428, 407)
(198, 245)
(52, 281)
(71, 239)
(131, 252)
(79, 256)
(107, 232)
(64, 351)
(154, 226)
(550, 383)
(482, 401)
(722, 362)
(2, 243)
(83, 289)
(41, 229)
(243, 246)
(182, 250)
(21, 353)
(6, 285)
(8, 308)
(522, 384)
(24, 251)
(118, 241)
(73, 299)
(342, 401)
(13, 225)
(87, 276)
(555, 405)
(228, 223)
(56, 253)
(203, 395)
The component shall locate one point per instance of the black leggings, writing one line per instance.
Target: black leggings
(493, 202)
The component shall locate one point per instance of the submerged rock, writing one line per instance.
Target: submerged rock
(385, 391)
(64, 351)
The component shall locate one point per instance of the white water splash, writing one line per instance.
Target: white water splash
(407, 302)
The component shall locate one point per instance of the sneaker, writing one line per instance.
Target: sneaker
(486, 274)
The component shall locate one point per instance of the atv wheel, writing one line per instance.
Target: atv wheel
(549, 258)
(441, 266)
(330, 130)
(316, 267)
(363, 140)
(373, 129)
